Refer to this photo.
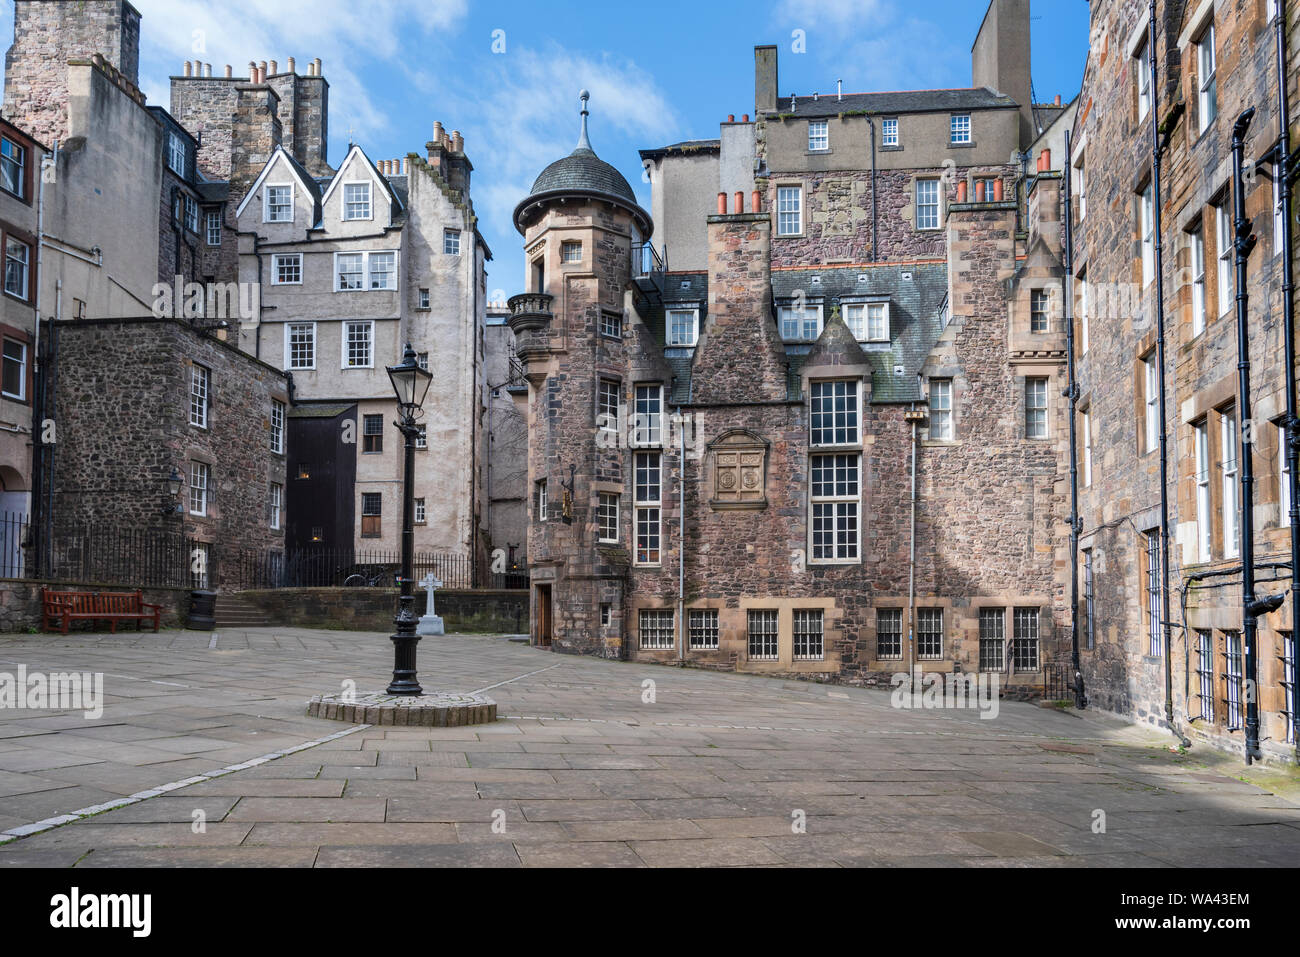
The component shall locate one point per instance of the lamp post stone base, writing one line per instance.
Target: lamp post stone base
(426, 710)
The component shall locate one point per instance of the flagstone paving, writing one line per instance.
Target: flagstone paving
(586, 769)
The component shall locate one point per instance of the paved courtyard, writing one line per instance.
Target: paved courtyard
(583, 770)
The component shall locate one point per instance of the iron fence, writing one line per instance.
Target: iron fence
(330, 567)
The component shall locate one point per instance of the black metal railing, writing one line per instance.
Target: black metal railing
(327, 567)
(646, 260)
(1058, 681)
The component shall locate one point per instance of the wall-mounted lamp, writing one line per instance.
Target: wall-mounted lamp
(173, 483)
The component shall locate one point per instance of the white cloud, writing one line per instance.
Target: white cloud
(237, 31)
(809, 14)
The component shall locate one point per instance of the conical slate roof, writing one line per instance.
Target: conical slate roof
(582, 173)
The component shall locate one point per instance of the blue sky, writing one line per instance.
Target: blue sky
(507, 73)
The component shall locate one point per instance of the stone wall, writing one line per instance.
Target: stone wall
(123, 424)
(46, 36)
(373, 609)
(21, 609)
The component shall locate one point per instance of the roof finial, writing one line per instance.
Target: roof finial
(583, 142)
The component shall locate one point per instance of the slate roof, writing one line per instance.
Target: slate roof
(907, 101)
(914, 317)
(583, 171)
(684, 147)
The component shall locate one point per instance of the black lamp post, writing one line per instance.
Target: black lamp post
(411, 383)
(173, 484)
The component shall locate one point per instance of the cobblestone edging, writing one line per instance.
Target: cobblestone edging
(428, 711)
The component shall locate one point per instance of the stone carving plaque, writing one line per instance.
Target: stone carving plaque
(738, 470)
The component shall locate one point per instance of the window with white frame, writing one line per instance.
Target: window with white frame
(834, 413)
(570, 252)
(422, 360)
(278, 204)
(421, 436)
(1151, 541)
(383, 270)
(763, 634)
(927, 204)
(451, 242)
(647, 481)
(358, 345)
(789, 210)
(889, 132)
(539, 500)
(868, 321)
(835, 501)
(808, 634)
(13, 167)
(1283, 477)
(286, 269)
(421, 512)
(1144, 80)
(199, 474)
(607, 402)
(1231, 499)
(349, 272)
(889, 634)
(17, 268)
(657, 628)
(1083, 314)
(1208, 98)
(300, 345)
(1151, 404)
(611, 324)
(801, 322)
(176, 154)
(1201, 449)
(1038, 310)
(200, 394)
(191, 214)
(277, 427)
(1197, 240)
(1081, 186)
(819, 136)
(607, 517)
(1036, 408)
(647, 423)
(1085, 423)
(356, 200)
(683, 327)
(277, 503)
(703, 628)
(941, 410)
(1224, 253)
(422, 299)
(1287, 654)
(929, 634)
(993, 639)
(960, 128)
(1146, 223)
(14, 384)
(212, 227)
(1279, 219)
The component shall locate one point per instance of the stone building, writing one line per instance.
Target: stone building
(352, 267)
(133, 378)
(1213, 61)
(507, 436)
(723, 452)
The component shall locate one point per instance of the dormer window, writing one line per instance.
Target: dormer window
(800, 322)
(868, 321)
(176, 154)
(356, 201)
(683, 327)
(279, 204)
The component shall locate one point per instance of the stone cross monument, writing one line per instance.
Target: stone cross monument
(430, 623)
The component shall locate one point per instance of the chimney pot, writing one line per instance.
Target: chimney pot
(1058, 99)
(189, 68)
(961, 191)
(731, 117)
(839, 90)
(740, 201)
(275, 67)
(997, 190)
(230, 72)
(261, 66)
(979, 191)
(318, 67)
(722, 204)
(745, 118)
(290, 66)
(252, 71)
(756, 201)
(207, 69)
(1045, 158)
(457, 142)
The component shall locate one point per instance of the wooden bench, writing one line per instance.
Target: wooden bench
(64, 607)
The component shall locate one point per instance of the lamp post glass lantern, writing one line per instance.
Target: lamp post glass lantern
(411, 385)
(173, 483)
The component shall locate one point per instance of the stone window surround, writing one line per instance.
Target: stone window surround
(1208, 404)
(912, 206)
(1023, 375)
(208, 221)
(966, 627)
(803, 210)
(859, 448)
(196, 457)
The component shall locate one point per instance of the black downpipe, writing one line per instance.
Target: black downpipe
(1072, 392)
(1283, 171)
(875, 218)
(1157, 148)
(1244, 243)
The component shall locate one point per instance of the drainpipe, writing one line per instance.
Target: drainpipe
(1282, 170)
(911, 566)
(1157, 148)
(1244, 243)
(875, 221)
(681, 537)
(38, 378)
(1072, 393)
